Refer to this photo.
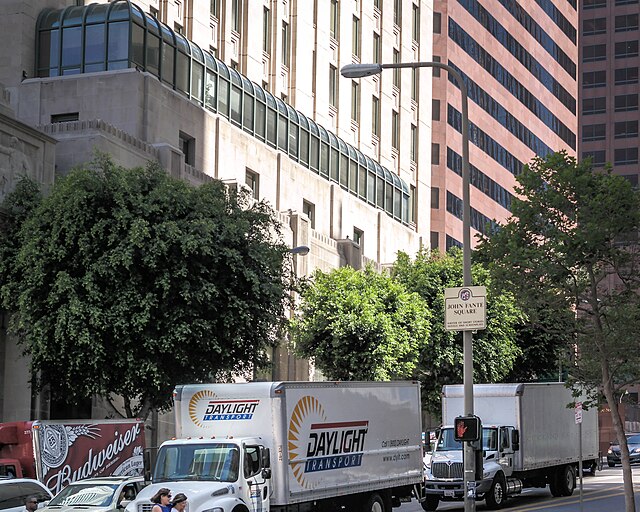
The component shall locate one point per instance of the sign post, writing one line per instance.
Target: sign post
(578, 415)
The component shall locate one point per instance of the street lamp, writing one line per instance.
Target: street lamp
(364, 70)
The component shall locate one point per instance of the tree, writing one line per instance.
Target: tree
(494, 349)
(572, 243)
(360, 325)
(128, 282)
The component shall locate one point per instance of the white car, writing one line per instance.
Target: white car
(14, 492)
(96, 494)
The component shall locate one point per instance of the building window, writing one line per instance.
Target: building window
(355, 42)
(334, 20)
(626, 102)
(435, 153)
(626, 76)
(591, 132)
(594, 52)
(435, 110)
(415, 22)
(252, 180)
(626, 49)
(355, 101)
(396, 72)
(597, 157)
(414, 143)
(435, 240)
(626, 23)
(188, 148)
(65, 118)
(415, 87)
(626, 129)
(376, 48)
(435, 198)
(395, 129)
(236, 15)
(214, 8)
(375, 116)
(626, 2)
(594, 26)
(358, 236)
(593, 79)
(333, 86)
(154, 12)
(594, 106)
(397, 12)
(376, 4)
(286, 43)
(437, 23)
(436, 71)
(626, 156)
(266, 31)
(412, 203)
(309, 209)
(593, 4)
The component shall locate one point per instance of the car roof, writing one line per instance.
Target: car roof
(6, 480)
(109, 480)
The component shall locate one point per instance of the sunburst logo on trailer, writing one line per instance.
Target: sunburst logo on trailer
(316, 444)
(205, 409)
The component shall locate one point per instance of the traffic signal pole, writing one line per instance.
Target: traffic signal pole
(469, 458)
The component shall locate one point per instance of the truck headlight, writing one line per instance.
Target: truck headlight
(214, 509)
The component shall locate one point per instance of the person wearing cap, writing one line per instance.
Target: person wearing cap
(179, 502)
(162, 500)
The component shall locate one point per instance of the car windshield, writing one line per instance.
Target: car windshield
(447, 441)
(633, 439)
(91, 495)
(214, 462)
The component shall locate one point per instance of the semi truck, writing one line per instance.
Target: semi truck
(292, 447)
(530, 438)
(60, 452)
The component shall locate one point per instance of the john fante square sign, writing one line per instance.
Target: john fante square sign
(465, 308)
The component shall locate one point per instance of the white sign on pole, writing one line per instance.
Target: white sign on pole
(578, 412)
(465, 308)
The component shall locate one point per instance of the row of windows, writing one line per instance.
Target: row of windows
(511, 84)
(451, 242)
(621, 103)
(623, 76)
(622, 156)
(479, 222)
(503, 116)
(545, 40)
(155, 48)
(623, 23)
(516, 49)
(480, 180)
(558, 18)
(595, 4)
(622, 130)
(485, 143)
(623, 50)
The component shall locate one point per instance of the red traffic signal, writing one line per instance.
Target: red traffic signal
(467, 428)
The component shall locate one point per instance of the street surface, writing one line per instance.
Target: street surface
(602, 492)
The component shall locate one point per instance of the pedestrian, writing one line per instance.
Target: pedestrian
(31, 504)
(162, 500)
(179, 502)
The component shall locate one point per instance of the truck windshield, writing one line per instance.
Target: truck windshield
(447, 441)
(88, 495)
(213, 462)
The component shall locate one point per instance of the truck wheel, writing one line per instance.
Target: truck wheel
(497, 495)
(374, 504)
(566, 480)
(431, 503)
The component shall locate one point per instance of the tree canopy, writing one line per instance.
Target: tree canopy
(128, 282)
(361, 325)
(572, 244)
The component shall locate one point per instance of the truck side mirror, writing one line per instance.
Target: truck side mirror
(515, 440)
(266, 459)
(266, 473)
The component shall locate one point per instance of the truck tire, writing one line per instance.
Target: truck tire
(374, 503)
(564, 482)
(431, 503)
(497, 495)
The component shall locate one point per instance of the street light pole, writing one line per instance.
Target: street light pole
(363, 70)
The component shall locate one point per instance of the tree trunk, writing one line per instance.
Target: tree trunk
(618, 426)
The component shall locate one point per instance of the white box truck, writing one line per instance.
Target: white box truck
(292, 447)
(529, 439)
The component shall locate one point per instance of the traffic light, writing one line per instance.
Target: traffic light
(467, 428)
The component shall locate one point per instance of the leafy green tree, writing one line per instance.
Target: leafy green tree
(494, 349)
(572, 243)
(360, 325)
(128, 282)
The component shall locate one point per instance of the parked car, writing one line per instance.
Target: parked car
(14, 492)
(100, 494)
(613, 454)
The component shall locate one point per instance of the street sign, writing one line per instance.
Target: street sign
(465, 308)
(578, 412)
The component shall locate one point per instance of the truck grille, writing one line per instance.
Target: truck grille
(445, 470)
(145, 507)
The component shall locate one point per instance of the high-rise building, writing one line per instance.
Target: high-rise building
(519, 62)
(609, 85)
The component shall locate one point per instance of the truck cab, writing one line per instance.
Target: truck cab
(220, 475)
